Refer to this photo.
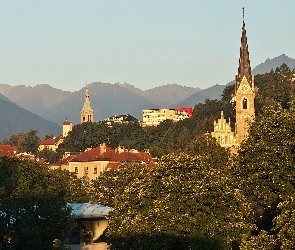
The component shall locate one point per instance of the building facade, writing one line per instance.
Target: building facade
(153, 117)
(223, 132)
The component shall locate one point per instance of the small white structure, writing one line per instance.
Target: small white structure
(91, 222)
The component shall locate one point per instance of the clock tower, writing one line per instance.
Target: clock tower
(244, 91)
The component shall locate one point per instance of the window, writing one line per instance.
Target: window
(245, 103)
(76, 170)
(85, 170)
(95, 170)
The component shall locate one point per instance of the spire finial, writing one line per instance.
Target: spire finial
(86, 84)
(243, 14)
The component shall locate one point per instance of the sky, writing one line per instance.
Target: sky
(194, 43)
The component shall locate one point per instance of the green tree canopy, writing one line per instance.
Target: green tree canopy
(112, 183)
(182, 203)
(265, 172)
(33, 209)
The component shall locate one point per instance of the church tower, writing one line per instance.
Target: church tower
(244, 91)
(87, 114)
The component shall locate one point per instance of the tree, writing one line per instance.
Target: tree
(182, 203)
(183, 139)
(112, 183)
(25, 142)
(205, 115)
(49, 155)
(83, 136)
(33, 211)
(206, 145)
(265, 173)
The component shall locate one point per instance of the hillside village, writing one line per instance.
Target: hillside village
(219, 175)
(95, 160)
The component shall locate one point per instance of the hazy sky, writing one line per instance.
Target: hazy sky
(146, 43)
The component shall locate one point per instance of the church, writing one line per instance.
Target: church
(244, 99)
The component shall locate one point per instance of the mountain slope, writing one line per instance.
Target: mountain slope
(164, 95)
(15, 119)
(37, 99)
(273, 63)
(211, 93)
(216, 91)
(106, 100)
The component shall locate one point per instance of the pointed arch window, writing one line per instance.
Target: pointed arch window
(245, 103)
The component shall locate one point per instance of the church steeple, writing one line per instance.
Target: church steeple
(245, 92)
(87, 112)
(244, 61)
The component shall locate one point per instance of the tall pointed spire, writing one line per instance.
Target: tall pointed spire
(87, 105)
(244, 62)
(87, 114)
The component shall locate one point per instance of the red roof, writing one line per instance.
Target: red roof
(50, 141)
(94, 154)
(112, 165)
(189, 111)
(67, 123)
(6, 150)
(111, 155)
(65, 160)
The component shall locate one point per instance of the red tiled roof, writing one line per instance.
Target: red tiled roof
(112, 165)
(128, 156)
(111, 155)
(65, 160)
(67, 123)
(6, 150)
(94, 154)
(50, 141)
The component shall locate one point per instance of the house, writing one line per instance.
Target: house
(120, 119)
(92, 162)
(153, 117)
(182, 113)
(7, 150)
(50, 143)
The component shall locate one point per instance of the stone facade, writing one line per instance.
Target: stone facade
(223, 133)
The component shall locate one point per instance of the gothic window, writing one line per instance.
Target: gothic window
(245, 103)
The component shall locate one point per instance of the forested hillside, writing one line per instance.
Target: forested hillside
(171, 137)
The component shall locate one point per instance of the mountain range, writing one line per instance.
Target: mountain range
(25, 107)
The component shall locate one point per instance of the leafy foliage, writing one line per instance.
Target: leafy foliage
(50, 155)
(25, 142)
(265, 172)
(33, 209)
(182, 203)
(112, 183)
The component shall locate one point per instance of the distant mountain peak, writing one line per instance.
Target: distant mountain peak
(273, 63)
